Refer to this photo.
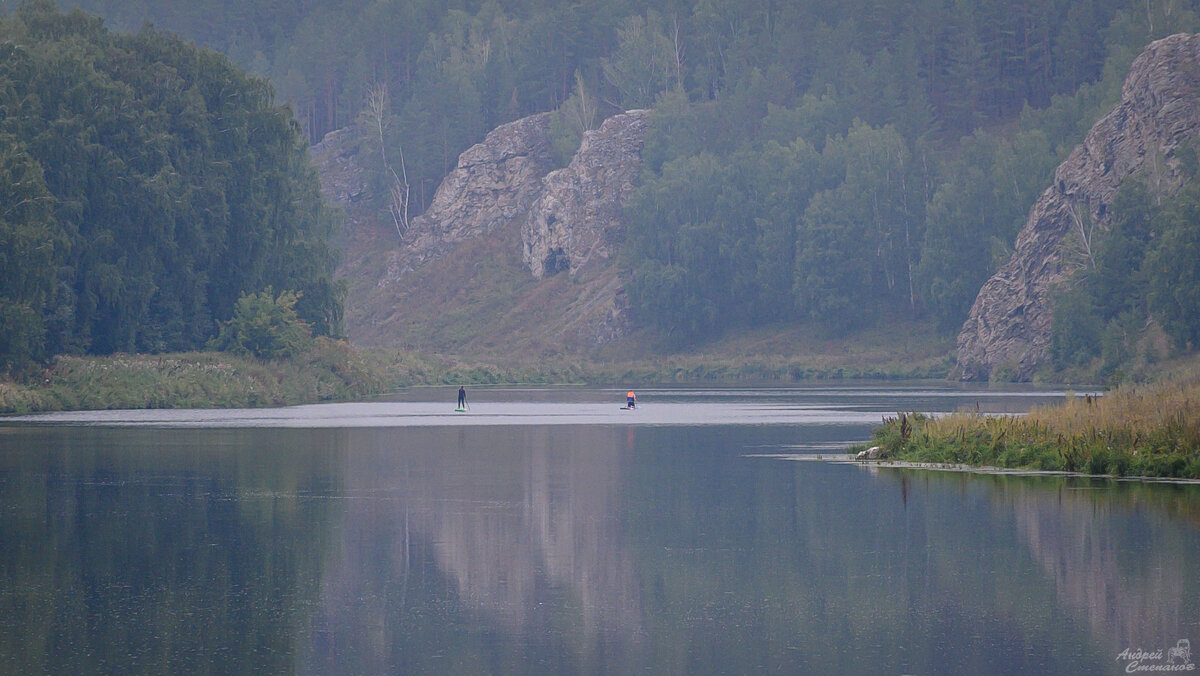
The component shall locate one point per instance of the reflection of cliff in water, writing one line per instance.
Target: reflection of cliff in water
(499, 531)
(1140, 595)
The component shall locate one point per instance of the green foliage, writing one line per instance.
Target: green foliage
(577, 115)
(1076, 328)
(860, 239)
(927, 130)
(264, 326)
(1173, 269)
(677, 269)
(150, 184)
(644, 63)
(463, 67)
(886, 220)
(974, 216)
(714, 245)
(1143, 274)
(31, 248)
(677, 130)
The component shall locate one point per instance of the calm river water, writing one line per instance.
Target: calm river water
(549, 531)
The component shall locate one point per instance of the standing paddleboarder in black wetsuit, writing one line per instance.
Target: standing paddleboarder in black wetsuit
(462, 397)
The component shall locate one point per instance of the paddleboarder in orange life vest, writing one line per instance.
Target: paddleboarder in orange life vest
(631, 400)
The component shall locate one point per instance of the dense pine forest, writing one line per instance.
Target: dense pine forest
(841, 163)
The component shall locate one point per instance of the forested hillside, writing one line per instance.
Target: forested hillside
(145, 185)
(1140, 283)
(839, 163)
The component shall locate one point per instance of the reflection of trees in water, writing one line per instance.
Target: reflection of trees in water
(451, 537)
(1009, 574)
(1119, 556)
(131, 551)
(496, 549)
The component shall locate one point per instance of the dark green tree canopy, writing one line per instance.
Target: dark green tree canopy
(1141, 279)
(843, 162)
(150, 184)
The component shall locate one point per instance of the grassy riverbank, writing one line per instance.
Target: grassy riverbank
(328, 371)
(1137, 430)
(332, 370)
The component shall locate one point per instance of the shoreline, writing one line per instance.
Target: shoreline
(335, 371)
(970, 469)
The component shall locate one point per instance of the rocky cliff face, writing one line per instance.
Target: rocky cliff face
(501, 220)
(577, 220)
(1009, 324)
(494, 183)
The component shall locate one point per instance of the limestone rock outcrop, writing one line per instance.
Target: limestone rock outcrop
(1008, 327)
(500, 220)
(578, 217)
(494, 182)
(342, 180)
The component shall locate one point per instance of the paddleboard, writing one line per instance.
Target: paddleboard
(460, 410)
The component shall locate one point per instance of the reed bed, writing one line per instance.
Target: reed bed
(1146, 430)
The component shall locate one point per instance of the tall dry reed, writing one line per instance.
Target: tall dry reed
(1145, 430)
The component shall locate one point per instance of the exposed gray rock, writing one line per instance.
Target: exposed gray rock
(483, 207)
(1009, 324)
(578, 219)
(494, 182)
(872, 453)
(342, 179)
